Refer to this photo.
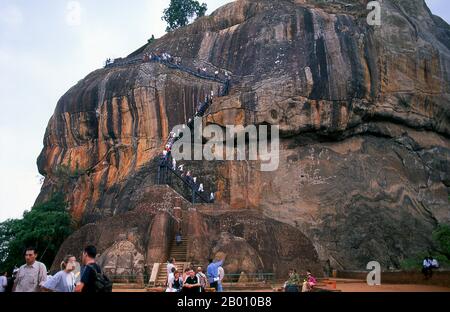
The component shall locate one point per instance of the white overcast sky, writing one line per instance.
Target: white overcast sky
(47, 46)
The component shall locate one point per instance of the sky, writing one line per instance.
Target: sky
(46, 47)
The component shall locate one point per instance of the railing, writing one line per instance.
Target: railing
(140, 60)
(164, 177)
(257, 280)
(249, 280)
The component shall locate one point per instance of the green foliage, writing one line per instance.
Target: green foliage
(45, 227)
(441, 236)
(441, 239)
(180, 12)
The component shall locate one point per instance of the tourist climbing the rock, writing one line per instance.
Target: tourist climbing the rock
(216, 74)
(212, 197)
(178, 238)
(200, 188)
(174, 164)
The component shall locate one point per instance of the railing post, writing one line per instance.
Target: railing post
(159, 175)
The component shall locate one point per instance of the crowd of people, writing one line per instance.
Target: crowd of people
(295, 283)
(33, 276)
(195, 280)
(167, 160)
(173, 62)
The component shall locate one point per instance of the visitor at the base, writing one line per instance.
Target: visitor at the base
(221, 277)
(309, 283)
(427, 269)
(213, 273)
(292, 284)
(32, 275)
(92, 278)
(434, 263)
(64, 280)
(175, 282)
(186, 274)
(170, 266)
(202, 279)
(3, 282)
(192, 284)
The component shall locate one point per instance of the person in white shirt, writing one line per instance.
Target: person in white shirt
(64, 280)
(3, 282)
(174, 164)
(170, 266)
(427, 267)
(221, 276)
(32, 275)
(175, 282)
(200, 188)
(202, 279)
(434, 264)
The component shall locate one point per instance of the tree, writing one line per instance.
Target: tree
(180, 12)
(441, 236)
(45, 227)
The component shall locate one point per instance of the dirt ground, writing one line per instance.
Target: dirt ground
(363, 287)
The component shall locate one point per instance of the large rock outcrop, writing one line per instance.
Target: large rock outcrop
(364, 116)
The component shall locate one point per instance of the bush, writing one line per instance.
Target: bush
(441, 236)
(45, 227)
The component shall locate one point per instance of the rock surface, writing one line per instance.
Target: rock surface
(364, 116)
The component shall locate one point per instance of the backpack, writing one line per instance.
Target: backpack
(102, 282)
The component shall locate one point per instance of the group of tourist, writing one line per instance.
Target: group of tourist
(194, 280)
(429, 263)
(295, 282)
(172, 163)
(33, 277)
(161, 57)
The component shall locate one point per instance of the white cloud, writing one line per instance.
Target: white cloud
(11, 16)
(73, 15)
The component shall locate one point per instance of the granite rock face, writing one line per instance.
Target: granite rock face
(364, 116)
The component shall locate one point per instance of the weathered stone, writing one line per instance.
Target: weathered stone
(364, 116)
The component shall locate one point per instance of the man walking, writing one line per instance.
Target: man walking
(31, 275)
(90, 282)
(213, 273)
(3, 282)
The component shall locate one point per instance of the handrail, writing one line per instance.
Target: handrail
(192, 187)
(138, 60)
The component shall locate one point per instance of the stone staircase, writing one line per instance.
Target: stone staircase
(180, 254)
